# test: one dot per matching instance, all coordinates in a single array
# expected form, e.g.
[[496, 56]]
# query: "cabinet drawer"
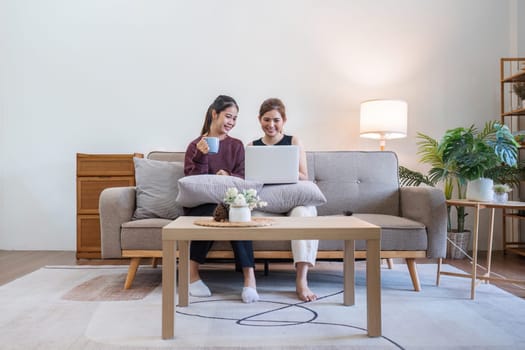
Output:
[[89, 189], [88, 233], [106, 164]]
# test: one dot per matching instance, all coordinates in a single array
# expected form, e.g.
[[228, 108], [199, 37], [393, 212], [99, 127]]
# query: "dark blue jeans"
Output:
[[242, 250]]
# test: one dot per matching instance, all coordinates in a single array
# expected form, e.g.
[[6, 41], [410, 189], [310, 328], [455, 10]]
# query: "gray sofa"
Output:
[[413, 219]]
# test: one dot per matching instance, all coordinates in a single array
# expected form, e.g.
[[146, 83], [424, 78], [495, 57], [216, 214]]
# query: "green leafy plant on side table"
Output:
[[519, 90], [501, 192], [462, 155]]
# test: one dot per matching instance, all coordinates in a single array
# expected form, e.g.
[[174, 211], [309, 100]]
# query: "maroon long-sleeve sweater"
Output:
[[229, 158]]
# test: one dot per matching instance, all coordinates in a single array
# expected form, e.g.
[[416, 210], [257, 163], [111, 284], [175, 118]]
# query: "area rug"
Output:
[[84, 307]]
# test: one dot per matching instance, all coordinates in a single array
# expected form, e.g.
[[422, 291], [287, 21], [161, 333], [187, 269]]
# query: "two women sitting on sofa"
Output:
[[220, 118]]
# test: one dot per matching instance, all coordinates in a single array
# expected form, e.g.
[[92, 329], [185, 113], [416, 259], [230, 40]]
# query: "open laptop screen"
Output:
[[272, 164]]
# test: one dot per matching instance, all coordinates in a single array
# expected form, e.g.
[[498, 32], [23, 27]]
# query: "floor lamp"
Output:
[[383, 120]]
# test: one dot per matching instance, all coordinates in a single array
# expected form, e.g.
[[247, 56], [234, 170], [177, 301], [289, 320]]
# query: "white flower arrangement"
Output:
[[501, 188], [244, 198]]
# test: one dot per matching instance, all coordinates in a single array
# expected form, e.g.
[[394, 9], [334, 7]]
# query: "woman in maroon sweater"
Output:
[[220, 119]]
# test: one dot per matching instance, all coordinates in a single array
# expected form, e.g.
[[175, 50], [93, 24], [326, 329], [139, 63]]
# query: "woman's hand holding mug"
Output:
[[208, 144], [202, 146]]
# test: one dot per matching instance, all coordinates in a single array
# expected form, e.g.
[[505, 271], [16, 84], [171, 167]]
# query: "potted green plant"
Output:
[[519, 90], [501, 192], [463, 155], [477, 155]]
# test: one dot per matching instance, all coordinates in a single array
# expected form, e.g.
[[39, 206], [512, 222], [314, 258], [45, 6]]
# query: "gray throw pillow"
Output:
[[195, 190], [283, 198], [156, 183]]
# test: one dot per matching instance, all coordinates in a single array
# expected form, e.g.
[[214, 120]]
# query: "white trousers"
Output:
[[304, 250]]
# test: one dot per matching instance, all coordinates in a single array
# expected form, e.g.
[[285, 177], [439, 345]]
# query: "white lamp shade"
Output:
[[383, 119]]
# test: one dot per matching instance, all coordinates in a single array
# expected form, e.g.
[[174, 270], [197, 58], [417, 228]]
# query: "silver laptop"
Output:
[[272, 164]]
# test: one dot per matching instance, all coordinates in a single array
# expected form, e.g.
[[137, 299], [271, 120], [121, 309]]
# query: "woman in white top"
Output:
[[272, 116]]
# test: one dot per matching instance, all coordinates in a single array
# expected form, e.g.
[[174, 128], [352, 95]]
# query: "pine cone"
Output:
[[221, 212]]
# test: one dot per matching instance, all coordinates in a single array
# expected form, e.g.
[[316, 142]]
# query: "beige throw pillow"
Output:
[[283, 198], [195, 190], [156, 189]]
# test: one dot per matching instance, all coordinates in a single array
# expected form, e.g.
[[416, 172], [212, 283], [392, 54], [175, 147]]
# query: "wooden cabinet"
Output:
[[95, 172], [512, 113]]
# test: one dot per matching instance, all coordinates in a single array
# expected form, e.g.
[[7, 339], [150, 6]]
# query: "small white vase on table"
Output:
[[240, 213], [501, 192], [242, 203]]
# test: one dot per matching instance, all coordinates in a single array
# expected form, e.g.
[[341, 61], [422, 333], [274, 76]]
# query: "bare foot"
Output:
[[304, 293], [301, 282]]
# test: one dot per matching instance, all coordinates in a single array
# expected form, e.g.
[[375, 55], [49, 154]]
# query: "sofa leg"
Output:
[[390, 263], [411, 264], [438, 272], [132, 271], [154, 262]]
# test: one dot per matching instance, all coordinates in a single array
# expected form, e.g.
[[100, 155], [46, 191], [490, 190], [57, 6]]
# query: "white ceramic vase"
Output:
[[501, 197], [480, 190], [240, 213]]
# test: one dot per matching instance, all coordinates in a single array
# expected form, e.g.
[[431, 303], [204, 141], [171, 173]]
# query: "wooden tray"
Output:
[[254, 223]]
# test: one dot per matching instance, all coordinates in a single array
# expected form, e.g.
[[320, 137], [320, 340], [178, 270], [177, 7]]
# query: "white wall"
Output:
[[110, 76], [521, 28]]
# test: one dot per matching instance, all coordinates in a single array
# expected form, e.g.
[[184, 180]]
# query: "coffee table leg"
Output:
[[373, 287], [184, 273], [349, 273], [168, 289]]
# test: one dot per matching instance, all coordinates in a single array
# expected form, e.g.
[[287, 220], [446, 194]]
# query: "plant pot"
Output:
[[240, 214], [457, 244], [501, 197], [480, 190]]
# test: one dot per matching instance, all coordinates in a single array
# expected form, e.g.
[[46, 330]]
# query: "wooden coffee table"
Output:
[[347, 228]]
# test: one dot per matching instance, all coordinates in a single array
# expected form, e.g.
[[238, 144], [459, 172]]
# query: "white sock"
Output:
[[249, 295], [199, 289]]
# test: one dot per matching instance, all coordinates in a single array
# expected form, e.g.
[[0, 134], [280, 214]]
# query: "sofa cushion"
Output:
[[142, 234], [362, 182], [195, 190], [283, 198], [397, 233], [157, 189]]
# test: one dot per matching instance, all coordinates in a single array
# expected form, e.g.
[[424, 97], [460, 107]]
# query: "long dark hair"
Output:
[[220, 104]]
